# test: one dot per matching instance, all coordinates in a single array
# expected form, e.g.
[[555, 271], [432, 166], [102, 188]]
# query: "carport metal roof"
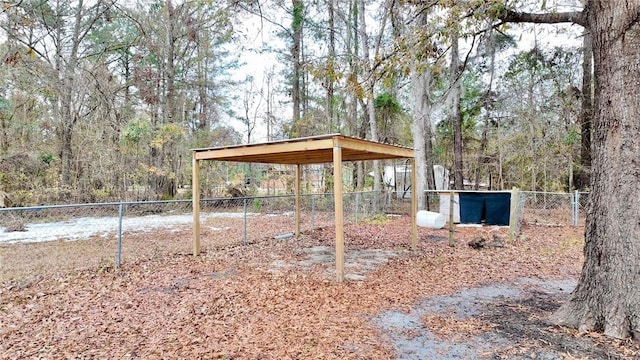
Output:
[[334, 148]]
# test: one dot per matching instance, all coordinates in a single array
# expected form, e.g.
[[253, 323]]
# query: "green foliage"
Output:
[[393, 124], [5, 105], [257, 205], [543, 100], [532, 63], [471, 102], [368, 181], [298, 15], [167, 134], [136, 132], [572, 137], [387, 104], [377, 219], [471, 105], [47, 157]]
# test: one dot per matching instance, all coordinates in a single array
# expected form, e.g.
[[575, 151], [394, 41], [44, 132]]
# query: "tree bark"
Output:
[[202, 84], [66, 153], [298, 8], [163, 183], [421, 77], [456, 114], [421, 129], [368, 88], [331, 68], [586, 111], [488, 101], [67, 81], [607, 297], [352, 46]]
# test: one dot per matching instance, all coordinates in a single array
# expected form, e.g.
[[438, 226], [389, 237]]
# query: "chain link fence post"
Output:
[[119, 250], [515, 218], [572, 202], [313, 211], [244, 207], [357, 207], [576, 208]]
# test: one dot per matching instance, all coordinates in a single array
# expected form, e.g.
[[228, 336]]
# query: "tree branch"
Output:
[[576, 17], [7, 5]]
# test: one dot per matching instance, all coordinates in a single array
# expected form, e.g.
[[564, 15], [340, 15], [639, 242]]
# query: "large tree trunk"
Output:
[[203, 108], [608, 294], [586, 111]]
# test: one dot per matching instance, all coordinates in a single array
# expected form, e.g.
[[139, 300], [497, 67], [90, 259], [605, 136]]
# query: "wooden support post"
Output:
[[513, 216], [297, 190], [195, 187], [337, 196], [451, 240], [414, 205]]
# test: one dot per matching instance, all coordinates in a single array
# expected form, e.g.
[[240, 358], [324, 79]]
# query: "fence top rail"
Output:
[[469, 191], [505, 191], [186, 201], [158, 202], [118, 203], [548, 192]]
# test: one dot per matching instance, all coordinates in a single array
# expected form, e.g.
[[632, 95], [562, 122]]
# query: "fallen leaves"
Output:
[[449, 327], [234, 303]]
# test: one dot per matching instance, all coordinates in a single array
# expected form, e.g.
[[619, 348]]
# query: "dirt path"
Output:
[[497, 321]]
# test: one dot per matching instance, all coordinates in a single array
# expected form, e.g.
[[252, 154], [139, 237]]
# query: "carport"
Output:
[[335, 148]]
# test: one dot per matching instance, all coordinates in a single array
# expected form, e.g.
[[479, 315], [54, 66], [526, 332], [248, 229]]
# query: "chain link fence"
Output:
[[41, 240], [539, 208], [534, 207], [554, 208]]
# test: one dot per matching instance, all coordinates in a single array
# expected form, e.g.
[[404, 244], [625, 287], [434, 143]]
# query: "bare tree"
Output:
[[251, 106], [421, 85], [297, 24], [56, 32], [331, 68], [455, 93]]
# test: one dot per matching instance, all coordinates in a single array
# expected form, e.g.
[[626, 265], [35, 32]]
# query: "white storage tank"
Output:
[[430, 219]]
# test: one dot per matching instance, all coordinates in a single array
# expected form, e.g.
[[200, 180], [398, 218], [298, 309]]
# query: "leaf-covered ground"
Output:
[[278, 299]]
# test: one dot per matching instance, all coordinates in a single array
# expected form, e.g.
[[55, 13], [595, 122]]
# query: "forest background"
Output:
[[102, 100]]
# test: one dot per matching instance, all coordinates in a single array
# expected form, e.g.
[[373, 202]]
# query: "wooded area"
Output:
[[101, 100]]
